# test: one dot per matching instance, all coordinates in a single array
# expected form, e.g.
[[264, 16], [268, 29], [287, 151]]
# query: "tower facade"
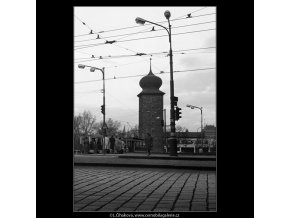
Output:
[[151, 110]]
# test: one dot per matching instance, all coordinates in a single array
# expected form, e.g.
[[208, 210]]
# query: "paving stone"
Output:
[[89, 208], [160, 209], [124, 180], [181, 209], [197, 205]]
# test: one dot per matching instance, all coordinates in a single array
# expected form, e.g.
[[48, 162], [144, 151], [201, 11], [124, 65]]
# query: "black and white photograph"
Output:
[[144, 125], [144, 111]]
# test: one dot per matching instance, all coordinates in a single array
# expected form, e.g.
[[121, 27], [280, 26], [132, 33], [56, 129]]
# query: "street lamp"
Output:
[[200, 108], [92, 69], [172, 139]]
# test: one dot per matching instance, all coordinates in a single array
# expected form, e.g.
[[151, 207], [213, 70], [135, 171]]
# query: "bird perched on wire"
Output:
[[140, 54], [188, 15], [93, 56], [98, 37], [153, 29], [91, 32], [110, 42]]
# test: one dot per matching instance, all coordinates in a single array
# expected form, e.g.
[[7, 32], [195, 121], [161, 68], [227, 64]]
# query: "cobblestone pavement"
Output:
[[99, 188]]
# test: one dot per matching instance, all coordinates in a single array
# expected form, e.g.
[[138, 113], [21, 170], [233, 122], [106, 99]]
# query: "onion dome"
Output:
[[150, 83]]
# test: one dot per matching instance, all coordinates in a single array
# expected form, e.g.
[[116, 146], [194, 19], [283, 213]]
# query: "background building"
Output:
[[210, 132]]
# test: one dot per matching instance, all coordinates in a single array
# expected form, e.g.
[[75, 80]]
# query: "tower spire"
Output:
[[150, 64]]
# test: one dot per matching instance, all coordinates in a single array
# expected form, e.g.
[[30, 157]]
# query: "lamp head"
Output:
[[139, 20], [167, 14], [188, 105], [92, 69], [81, 66]]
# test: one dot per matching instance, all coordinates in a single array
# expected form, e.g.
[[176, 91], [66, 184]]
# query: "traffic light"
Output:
[[175, 100], [162, 122], [177, 113], [103, 109]]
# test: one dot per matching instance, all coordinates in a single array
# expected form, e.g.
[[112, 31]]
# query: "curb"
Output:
[[148, 166], [170, 158]]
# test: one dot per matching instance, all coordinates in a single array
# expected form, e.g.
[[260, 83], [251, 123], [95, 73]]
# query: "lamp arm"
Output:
[[93, 67], [159, 25]]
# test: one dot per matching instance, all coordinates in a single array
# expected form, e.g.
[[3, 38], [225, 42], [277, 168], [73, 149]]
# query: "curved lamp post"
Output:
[[172, 139], [200, 108], [92, 69]]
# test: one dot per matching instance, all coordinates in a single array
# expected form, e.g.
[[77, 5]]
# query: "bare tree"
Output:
[[76, 131], [113, 127], [134, 131], [180, 130], [87, 122]]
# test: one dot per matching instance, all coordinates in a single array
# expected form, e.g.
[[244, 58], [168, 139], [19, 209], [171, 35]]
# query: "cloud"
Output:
[[210, 41], [191, 82]]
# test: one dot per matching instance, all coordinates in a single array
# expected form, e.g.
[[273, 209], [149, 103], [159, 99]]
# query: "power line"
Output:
[[191, 12], [129, 34], [143, 54], [93, 45], [181, 53], [178, 71], [136, 26], [136, 53], [134, 62], [91, 31]]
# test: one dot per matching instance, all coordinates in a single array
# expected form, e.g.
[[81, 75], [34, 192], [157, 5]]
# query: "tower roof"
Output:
[[150, 83]]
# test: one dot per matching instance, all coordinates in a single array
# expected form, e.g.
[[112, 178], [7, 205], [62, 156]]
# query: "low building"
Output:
[[209, 132]]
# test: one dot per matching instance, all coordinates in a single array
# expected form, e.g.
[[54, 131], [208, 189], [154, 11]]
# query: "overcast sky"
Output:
[[192, 87]]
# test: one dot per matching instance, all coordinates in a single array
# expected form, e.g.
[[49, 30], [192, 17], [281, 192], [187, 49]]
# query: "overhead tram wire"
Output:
[[125, 40], [135, 62], [86, 25], [118, 39], [138, 26], [131, 49], [177, 71], [148, 54], [137, 32], [135, 52], [130, 34], [116, 66], [93, 45], [191, 12]]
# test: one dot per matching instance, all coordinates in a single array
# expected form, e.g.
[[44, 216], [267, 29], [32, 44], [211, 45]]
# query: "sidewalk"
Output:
[[197, 162]]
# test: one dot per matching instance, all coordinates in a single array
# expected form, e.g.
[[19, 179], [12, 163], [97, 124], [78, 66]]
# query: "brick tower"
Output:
[[151, 110]]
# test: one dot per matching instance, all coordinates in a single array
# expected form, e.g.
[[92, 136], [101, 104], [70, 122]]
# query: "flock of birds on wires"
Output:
[[98, 39]]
